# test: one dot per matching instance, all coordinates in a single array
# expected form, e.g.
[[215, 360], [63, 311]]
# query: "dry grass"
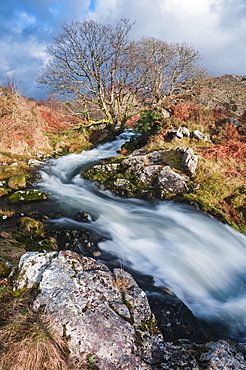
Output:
[[34, 344], [28, 339], [21, 125]]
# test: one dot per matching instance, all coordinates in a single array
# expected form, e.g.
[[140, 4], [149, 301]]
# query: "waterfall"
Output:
[[200, 259]]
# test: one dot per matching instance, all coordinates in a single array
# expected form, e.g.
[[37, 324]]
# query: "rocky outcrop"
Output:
[[100, 312], [144, 174], [106, 315]]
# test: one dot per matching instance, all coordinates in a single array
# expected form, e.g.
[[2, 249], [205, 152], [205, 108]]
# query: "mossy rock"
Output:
[[29, 226], [18, 182], [27, 196], [3, 191]]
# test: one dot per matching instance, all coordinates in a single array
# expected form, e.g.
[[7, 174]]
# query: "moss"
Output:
[[149, 325], [5, 269], [29, 226], [27, 196], [19, 292]]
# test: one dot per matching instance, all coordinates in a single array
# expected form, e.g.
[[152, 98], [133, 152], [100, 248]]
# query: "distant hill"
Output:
[[225, 94]]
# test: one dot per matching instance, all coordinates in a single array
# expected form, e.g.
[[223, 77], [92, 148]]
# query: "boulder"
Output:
[[199, 135], [106, 316], [101, 313], [189, 161], [171, 181]]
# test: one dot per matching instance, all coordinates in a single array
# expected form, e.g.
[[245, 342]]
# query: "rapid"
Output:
[[198, 258]]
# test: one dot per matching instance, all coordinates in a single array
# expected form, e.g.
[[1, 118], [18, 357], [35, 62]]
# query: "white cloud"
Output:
[[216, 28]]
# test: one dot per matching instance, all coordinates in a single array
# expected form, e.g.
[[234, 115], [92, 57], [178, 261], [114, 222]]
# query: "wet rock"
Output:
[[221, 355], [29, 226], [171, 181], [189, 161], [17, 182], [27, 196]]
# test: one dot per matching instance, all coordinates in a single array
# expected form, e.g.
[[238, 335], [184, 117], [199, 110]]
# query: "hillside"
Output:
[[30, 130]]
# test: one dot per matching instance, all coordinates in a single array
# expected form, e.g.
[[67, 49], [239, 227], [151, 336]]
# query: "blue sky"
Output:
[[217, 28]]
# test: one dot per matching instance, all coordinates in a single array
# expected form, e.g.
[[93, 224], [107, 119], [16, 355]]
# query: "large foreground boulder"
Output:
[[106, 315]]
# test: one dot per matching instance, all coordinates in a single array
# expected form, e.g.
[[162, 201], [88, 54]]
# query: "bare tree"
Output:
[[108, 75], [95, 63], [166, 65]]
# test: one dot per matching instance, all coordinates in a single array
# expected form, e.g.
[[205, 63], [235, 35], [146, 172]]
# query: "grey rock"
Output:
[[154, 157], [102, 313], [199, 135], [171, 181], [222, 355], [149, 173], [107, 315], [189, 160], [185, 131]]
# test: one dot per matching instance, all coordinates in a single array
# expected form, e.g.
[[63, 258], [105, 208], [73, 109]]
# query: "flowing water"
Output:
[[201, 260]]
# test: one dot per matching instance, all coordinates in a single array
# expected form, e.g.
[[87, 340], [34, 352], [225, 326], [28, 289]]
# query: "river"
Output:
[[200, 259]]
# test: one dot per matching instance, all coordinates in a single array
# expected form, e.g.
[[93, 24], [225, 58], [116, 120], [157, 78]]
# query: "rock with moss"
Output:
[[17, 182], [27, 196], [100, 312], [29, 226], [142, 174], [106, 316]]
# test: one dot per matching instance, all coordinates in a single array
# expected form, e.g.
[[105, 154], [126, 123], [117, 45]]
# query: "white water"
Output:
[[201, 260]]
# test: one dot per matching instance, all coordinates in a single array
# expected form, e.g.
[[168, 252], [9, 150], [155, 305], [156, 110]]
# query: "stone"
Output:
[[189, 161], [154, 157], [165, 113], [35, 163], [199, 135], [122, 183], [106, 315], [222, 355], [29, 226], [171, 181], [149, 173], [101, 313], [27, 196]]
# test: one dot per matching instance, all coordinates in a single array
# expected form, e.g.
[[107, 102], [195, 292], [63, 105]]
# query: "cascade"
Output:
[[200, 259]]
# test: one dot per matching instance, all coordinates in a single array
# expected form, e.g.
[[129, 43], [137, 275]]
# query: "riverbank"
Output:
[[217, 186]]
